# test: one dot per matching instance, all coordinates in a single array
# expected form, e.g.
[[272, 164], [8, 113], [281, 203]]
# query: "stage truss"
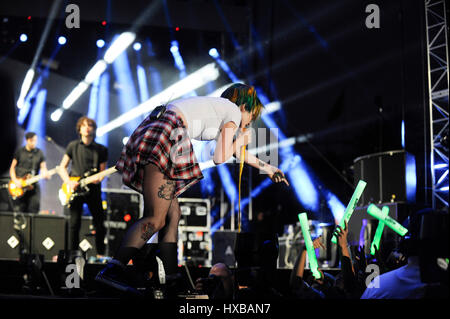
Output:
[[438, 89]]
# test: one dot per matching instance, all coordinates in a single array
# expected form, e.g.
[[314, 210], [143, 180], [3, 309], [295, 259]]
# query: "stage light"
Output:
[[127, 218], [103, 23], [75, 94], [125, 140], [214, 53], [25, 86], [62, 40], [142, 83], [411, 177], [29, 18], [100, 43], [177, 29], [23, 37], [174, 47], [102, 116], [438, 166], [137, 46], [95, 71], [56, 115], [193, 81], [119, 45]]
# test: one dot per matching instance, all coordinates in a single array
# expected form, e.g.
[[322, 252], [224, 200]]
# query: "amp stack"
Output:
[[194, 237]]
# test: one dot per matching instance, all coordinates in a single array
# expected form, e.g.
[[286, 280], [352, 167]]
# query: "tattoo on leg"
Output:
[[167, 190], [147, 231]]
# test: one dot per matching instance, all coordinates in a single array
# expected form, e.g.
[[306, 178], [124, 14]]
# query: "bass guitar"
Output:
[[66, 194]]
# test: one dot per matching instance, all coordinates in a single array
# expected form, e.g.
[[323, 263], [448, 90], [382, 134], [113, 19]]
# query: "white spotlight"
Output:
[[23, 37], [118, 46], [56, 115], [100, 43], [62, 40], [137, 46], [25, 86], [214, 53]]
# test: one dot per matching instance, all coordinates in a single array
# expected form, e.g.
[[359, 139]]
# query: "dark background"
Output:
[[347, 86]]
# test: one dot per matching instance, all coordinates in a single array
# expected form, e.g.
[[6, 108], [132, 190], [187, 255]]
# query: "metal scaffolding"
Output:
[[438, 89]]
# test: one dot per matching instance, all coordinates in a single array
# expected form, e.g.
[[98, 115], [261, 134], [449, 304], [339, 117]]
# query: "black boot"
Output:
[[114, 276], [168, 254]]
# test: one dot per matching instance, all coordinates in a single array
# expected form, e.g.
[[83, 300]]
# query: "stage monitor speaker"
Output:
[[48, 236], [223, 247], [15, 234], [87, 237], [385, 177]]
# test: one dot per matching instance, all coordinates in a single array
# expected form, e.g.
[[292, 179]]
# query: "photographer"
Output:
[[219, 284]]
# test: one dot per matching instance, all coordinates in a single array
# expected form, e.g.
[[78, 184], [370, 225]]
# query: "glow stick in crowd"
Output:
[[374, 211], [351, 206], [379, 232], [309, 245]]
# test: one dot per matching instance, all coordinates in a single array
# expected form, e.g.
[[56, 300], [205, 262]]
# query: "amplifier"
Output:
[[48, 233], [123, 209], [15, 233], [195, 212], [194, 246]]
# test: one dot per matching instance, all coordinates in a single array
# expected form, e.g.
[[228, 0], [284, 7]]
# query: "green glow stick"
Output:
[[379, 232], [309, 245], [351, 206], [390, 222]]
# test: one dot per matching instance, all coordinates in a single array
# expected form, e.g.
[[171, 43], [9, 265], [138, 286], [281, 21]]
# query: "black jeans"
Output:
[[29, 202], [93, 200]]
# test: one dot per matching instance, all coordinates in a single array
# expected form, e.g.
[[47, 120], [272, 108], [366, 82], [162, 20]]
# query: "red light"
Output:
[[103, 23], [177, 29], [127, 218], [29, 18]]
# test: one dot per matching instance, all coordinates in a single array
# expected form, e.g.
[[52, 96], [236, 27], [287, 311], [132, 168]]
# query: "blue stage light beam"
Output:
[[23, 112], [142, 83], [224, 66], [127, 91], [37, 117], [103, 106], [93, 99]]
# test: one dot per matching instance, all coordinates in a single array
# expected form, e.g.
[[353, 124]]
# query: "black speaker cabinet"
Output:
[[223, 247], [385, 176], [48, 235], [15, 234], [87, 237]]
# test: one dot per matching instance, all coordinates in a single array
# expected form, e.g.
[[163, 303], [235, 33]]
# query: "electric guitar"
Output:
[[26, 183], [67, 195]]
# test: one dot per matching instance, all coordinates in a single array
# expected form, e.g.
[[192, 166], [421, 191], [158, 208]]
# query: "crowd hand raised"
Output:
[[341, 234], [317, 243]]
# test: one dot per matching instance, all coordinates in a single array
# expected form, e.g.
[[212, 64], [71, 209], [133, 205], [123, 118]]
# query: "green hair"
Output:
[[239, 94]]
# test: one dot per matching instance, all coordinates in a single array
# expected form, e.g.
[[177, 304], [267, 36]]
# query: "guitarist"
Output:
[[88, 158], [28, 161]]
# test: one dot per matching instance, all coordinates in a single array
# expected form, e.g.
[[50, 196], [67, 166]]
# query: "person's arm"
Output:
[[225, 146], [341, 234], [43, 170], [12, 172], [64, 174], [100, 178], [273, 172]]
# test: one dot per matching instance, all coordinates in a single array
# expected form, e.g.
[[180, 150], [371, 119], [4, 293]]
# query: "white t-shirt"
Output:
[[206, 115]]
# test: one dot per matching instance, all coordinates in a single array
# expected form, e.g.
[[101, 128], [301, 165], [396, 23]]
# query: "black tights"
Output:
[[161, 214]]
